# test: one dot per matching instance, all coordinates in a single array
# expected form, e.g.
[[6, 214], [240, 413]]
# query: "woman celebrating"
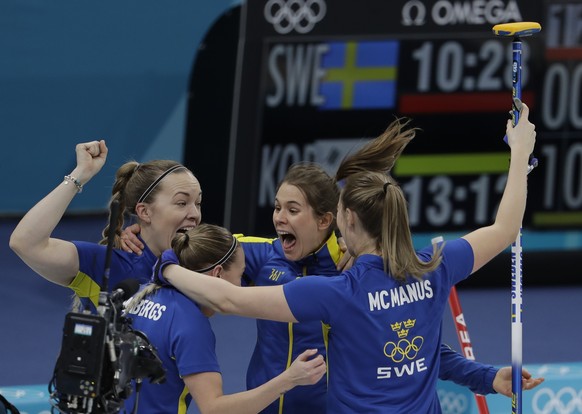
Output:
[[304, 219], [385, 312], [165, 197], [180, 330]]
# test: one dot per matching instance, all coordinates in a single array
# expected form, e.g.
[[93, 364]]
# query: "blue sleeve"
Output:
[[465, 372], [314, 298], [123, 265], [457, 259], [91, 259]]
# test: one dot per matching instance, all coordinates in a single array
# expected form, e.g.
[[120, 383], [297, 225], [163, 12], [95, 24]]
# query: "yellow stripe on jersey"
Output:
[[85, 287], [334, 249], [253, 239], [182, 409], [289, 361], [326, 328]]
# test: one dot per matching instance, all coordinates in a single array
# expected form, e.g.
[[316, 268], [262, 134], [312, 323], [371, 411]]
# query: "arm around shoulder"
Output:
[[262, 302]]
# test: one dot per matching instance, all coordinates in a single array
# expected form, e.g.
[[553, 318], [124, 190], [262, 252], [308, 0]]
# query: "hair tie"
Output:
[[386, 184]]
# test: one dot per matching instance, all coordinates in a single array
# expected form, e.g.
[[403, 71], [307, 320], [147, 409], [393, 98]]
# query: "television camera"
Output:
[[102, 356]]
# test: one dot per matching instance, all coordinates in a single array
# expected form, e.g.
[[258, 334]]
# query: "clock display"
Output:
[[313, 95]]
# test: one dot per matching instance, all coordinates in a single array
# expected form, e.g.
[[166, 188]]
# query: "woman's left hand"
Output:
[[129, 240], [306, 371]]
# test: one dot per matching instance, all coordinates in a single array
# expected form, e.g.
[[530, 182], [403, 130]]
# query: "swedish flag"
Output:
[[360, 75]]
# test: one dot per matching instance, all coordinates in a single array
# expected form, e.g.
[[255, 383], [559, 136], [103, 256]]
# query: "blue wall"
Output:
[[77, 70]]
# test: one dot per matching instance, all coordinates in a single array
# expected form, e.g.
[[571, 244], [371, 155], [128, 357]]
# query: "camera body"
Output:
[[80, 365], [100, 357]]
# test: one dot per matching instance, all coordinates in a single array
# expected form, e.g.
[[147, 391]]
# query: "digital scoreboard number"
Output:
[[320, 77]]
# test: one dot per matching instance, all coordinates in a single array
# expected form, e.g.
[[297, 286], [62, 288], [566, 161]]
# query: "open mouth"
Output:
[[288, 240], [184, 229]]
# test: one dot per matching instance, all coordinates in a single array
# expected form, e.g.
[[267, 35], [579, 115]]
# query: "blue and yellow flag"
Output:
[[360, 75]]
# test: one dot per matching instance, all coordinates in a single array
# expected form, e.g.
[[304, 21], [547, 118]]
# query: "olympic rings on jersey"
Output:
[[452, 402], [404, 349], [298, 15], [566, 401]]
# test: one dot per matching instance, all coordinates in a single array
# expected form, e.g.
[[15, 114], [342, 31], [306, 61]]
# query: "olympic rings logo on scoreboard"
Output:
[[298, 15], [566, 401], [453, 403]]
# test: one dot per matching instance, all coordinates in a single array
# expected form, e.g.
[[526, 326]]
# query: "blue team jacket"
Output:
[[278, 343]]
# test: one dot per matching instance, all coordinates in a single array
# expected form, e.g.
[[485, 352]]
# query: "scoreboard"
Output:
[[317, 78]]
